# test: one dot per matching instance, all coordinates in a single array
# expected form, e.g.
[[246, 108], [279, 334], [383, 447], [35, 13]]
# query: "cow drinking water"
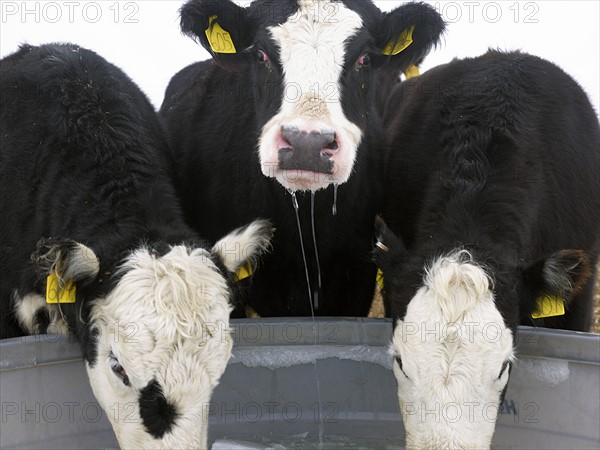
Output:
[[93, 242], [493, 189]]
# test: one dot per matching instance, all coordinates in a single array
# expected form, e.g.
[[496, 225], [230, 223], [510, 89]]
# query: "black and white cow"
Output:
[[286, 108], [86, 199], [495, 192]]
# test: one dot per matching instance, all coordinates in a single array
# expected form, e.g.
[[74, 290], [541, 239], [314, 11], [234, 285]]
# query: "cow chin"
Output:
[[302, 180]]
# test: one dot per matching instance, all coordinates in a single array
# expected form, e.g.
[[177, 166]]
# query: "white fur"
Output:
[[83, 263], [243, 244], [80, 263], [452, 343], [312, 53], [27, 307], [166, 320]]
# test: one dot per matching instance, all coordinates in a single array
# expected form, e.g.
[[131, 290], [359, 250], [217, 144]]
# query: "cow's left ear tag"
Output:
[[218, 39], [57, 294], [395, 46], [244, 272], [549, 306]]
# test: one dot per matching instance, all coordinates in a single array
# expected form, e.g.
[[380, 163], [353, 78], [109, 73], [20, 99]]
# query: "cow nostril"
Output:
[[329, 149], [285, 143]]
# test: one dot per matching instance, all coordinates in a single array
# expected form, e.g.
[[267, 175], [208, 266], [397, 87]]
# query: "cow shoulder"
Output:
[[189, 82]]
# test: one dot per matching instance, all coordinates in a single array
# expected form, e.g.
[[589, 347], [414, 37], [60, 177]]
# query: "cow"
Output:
[[283, 123], [94, 243], [492, 211]]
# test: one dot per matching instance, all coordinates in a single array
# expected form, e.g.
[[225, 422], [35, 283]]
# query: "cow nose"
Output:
[[310, 142], [307, 150]]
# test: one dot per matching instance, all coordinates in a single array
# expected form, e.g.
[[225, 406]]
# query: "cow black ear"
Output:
[[406, 35], [389, 249], [71, 261], [560, 277], [223, 28]]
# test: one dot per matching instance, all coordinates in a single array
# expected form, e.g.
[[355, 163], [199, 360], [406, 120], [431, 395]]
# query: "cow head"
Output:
[[312, 65], [159, 340], [453, 340]]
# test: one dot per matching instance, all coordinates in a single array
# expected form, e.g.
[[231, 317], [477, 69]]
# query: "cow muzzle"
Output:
[[310, 151]]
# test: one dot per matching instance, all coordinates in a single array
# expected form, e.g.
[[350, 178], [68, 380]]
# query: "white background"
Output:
[[143, 38]]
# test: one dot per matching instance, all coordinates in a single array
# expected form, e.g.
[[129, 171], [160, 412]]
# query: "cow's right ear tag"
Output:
[[218, 39], [55, 293], [411, 72], [379, 278], [548, 306]]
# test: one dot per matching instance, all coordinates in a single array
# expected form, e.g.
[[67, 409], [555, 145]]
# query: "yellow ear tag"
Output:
[[411, 72], [218, 39], [379, 278], [548, 306], [404, 40], [56, 294], [244, 272]]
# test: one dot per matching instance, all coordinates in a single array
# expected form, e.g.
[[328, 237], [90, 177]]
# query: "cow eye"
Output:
[[364, 60], [262, 56], [118, 370]]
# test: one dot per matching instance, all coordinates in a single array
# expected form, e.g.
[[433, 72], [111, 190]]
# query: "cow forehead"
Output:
[[449, 353], [311, 41], [452, 323], [170, 295], [163, 308], [319, 22]]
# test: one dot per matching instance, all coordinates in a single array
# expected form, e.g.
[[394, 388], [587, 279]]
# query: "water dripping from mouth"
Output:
[[334, 207], [314, 236], [316, 306], [312, 309], [296, 209]]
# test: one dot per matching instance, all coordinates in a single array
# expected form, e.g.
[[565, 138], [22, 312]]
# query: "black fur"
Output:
[[215, 110], [83, 159], [499, 155], [42, 319], [90, 351], [157, 413]]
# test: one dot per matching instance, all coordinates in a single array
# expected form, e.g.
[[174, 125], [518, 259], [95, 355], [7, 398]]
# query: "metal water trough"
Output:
[[292, 383]]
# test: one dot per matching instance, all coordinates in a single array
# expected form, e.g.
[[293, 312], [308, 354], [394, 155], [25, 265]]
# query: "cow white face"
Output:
[[158, 340], [310, 143], [162, 343], [453, 354], [311, 67]]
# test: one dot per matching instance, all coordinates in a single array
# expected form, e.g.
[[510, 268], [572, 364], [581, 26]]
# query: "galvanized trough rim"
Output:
[[31, 351]]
